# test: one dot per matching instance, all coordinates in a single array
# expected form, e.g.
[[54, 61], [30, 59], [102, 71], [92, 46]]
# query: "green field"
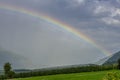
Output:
[[76, 76]]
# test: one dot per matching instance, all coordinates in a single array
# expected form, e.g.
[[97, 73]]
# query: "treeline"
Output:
[[45, 72]]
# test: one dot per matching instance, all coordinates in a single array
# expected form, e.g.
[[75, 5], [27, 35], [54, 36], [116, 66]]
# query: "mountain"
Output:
[[102, 61], [15, 60], [112, 59]]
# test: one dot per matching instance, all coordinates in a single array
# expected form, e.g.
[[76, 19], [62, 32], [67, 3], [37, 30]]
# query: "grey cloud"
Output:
[[28, 35]]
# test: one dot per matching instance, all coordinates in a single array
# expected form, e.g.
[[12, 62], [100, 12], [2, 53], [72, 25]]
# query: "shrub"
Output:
[[112, 76]]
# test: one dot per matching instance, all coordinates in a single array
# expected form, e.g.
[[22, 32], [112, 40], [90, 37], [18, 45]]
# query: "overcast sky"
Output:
[[46, 45]]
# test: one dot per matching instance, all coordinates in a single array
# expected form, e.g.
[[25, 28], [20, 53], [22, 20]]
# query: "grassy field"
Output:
[[76, 76]]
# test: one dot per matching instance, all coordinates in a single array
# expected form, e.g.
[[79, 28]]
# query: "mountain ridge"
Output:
[[112, 59]]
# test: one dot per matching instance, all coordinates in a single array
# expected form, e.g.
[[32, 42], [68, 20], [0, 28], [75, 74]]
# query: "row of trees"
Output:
[[59, 71], [64, 71], [9, 73]]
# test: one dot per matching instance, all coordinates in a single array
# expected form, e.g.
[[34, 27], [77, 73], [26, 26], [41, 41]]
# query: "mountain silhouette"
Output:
[[112, 59]]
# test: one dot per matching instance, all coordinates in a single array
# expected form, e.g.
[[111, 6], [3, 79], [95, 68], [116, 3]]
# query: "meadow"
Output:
[[76, 76]]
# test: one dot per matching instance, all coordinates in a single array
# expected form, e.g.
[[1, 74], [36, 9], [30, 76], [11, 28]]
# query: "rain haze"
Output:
[[43, 43]]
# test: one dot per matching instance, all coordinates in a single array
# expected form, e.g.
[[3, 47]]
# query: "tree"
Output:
[[8, 70], [118, 63], [11, 74]]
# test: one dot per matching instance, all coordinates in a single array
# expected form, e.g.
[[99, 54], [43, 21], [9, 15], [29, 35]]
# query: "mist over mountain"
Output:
[[15, 60], [112, 59]]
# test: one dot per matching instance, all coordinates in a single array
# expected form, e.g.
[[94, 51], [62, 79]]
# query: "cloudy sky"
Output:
[[45, 44]]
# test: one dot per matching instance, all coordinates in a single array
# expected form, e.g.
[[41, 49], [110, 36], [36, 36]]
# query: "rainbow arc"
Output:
[[56, 22]]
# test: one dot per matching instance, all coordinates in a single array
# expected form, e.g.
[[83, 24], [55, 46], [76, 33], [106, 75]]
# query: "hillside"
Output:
[[113, 59], [110, 59]]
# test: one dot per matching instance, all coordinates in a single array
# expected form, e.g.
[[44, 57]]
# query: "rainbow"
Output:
[[54, 21]]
